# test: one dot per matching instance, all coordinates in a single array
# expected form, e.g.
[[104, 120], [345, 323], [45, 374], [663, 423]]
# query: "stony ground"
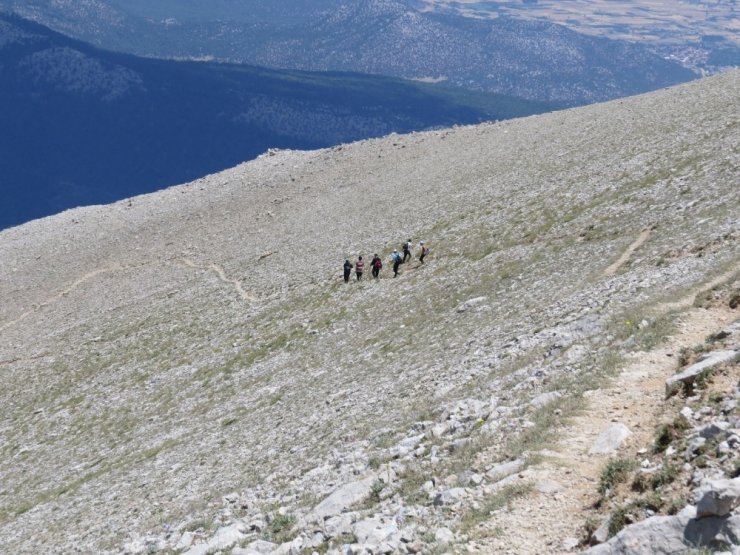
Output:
[[187, 371], [566, 500]]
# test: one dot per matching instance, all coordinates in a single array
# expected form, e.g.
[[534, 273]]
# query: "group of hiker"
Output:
[[376, 264]]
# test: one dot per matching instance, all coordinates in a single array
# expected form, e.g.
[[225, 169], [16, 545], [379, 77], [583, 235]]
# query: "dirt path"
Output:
[[567, 479], [221, 273], [611, 270], [218, 270], [63, 293]]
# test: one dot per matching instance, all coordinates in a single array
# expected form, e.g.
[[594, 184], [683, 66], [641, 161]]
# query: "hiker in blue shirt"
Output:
[[396, 257]]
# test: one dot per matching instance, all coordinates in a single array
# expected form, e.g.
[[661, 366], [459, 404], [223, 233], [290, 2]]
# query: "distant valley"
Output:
[[86, 126], [700, 34], [537, 60]]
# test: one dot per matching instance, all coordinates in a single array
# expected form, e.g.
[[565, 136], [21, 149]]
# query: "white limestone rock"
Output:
[[225, 537], [342, 498], [505, 469], [668, 535], [718, 497], [545, 398], [444, 536], [374, 531], [689, 374], [449, 497], [610, 440], [262, 547]]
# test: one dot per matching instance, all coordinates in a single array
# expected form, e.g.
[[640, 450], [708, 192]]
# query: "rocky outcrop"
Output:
[[342, 499], [667, 535], [690, 374], [707, 428], [718, 497], [610, 440]]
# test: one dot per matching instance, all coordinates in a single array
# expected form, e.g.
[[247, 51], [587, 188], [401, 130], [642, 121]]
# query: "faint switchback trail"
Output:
[[221, 273], [66, 291], [611, 270]]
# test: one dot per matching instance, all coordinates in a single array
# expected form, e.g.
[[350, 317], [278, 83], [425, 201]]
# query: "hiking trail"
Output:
[[622, 260], [221, 274], [66, 291], [566, 481]]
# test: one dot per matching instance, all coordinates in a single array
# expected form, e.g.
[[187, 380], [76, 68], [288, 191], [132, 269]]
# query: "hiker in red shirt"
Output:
[[376, 265], [359, 268], [424, 251]]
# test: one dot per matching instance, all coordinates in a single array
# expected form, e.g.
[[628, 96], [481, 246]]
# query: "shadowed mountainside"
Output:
[[190, 359], [85, 126]]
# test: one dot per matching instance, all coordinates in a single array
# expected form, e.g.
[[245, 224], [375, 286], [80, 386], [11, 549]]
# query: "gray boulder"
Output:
[[449, 496], [505, 469], [718, 497], [710, 431], [289, 548], [689, 374], [548, 487], [225, 537], [374, 531], [260, 547], [407, 445], [466, 410], [610, 440], [545, 398], [669, 535], [658, 535], [338, 525], [444, 536], [717, 533], [601, 534], [342, 498]]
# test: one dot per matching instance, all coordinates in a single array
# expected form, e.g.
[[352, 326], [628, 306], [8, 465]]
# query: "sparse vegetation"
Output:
[[411, 486], [615, 472], [279, 527], [668, 433], [646, 482], [642, 331]]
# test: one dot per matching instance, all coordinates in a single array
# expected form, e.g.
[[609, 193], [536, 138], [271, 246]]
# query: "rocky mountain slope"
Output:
[[536, 60], [86, 126], [186, 371]]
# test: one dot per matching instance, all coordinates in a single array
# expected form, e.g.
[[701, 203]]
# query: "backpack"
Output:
[[426, 250], [396, 257], [378, 264]]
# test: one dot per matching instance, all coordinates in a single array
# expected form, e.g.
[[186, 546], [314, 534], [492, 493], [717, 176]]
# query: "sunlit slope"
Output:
[[161, 352]]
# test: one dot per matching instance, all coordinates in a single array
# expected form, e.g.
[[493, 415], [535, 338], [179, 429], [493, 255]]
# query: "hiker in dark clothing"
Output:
[[376, 265], [359, 268], [424, 251], [347, 270], [407, 250], [396, 257]]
